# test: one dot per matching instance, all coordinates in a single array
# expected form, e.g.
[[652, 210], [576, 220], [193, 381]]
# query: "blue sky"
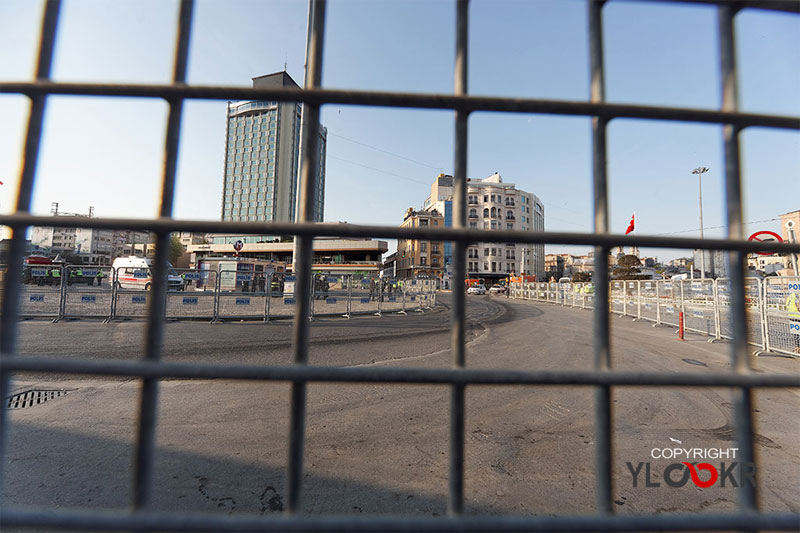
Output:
[[107, 152]]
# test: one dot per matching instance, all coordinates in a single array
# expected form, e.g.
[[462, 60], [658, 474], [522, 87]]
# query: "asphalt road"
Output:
[[221, 445]]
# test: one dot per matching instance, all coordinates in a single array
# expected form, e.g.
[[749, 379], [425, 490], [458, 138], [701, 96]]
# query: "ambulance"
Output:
[[136, 273]]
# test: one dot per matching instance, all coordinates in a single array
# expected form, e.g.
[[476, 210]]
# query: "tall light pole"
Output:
[[700, 171]]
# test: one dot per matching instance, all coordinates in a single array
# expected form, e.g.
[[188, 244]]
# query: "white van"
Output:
[[135, 273]]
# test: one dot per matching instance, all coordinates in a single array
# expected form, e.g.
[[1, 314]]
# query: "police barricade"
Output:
[[282, 296], [240, 295], [41, 293], [754, 309], [330, 294], [632, 299], [426, 293], [578, 295], [566, 294], [515, 290], [528, 290], [542, 291], [698, 309], [392, 300], [669, 302], [616, 296], [88, 292], [552, 293], [131, 292], [195, 297], [782, 312], [648, 300], [588, 296], [365, 294]]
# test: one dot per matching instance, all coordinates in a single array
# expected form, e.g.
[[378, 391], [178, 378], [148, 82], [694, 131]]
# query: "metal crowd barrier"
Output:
[[74, 292], [602, 379], [705, 304]]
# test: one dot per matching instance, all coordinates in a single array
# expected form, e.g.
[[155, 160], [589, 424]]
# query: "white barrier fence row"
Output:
[[773, 319], [58, 292]]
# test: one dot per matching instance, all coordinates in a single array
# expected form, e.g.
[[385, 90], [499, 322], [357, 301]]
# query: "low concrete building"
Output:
[[344, 256]]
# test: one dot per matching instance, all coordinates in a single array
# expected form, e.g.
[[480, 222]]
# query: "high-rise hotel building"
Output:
[[262, 158]]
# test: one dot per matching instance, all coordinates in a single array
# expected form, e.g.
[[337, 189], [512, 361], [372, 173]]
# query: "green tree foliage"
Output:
[[628, 268], [176, 249], [581, 277]]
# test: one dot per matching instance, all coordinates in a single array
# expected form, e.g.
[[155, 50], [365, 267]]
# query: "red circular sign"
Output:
[[765, 236]]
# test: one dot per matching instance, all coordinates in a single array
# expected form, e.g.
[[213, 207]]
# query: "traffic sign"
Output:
[[765, 236], [238, 245]]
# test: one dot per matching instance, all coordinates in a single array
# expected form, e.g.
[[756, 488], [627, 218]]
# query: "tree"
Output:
[[581, 277], [176, 249], [628, 268]]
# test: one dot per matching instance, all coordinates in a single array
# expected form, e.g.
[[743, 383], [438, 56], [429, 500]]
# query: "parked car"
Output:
[[135, 273], [498, 289], [476, 289]]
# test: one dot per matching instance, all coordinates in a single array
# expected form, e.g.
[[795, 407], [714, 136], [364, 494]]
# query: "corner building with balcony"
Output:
[[496, 206], [493, 205], [262, 151], [420, 258]]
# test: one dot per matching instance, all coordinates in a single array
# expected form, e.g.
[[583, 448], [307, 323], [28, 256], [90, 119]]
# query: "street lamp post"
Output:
[[700, 171]]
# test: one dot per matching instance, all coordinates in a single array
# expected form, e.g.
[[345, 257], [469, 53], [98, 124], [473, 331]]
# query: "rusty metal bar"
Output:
[[404, 100], [455, 504], [86, 521], [444, 376], [741, 361], [13, 276], [307, 190], [602, 337], [394, 232]]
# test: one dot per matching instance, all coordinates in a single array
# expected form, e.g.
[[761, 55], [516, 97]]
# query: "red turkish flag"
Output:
[[631, 225]]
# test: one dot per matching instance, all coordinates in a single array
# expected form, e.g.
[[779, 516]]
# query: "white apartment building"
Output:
[[495, 205], [54, 240], [94, 246]]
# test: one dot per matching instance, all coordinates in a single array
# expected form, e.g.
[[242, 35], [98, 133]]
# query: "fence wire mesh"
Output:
[[19, 300]]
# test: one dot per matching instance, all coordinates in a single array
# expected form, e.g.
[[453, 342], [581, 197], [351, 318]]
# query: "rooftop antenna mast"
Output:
[[54, 208], [91, 211]]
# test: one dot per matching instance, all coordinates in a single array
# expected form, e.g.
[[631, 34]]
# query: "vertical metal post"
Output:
[[602, 338], [62, 295], [740, 358], [349, 295], [762, 311], [217, 293], [309, 135], [13, 276], [113, 297], [267, 296], [148, 403], [715, 302], [455, 503], [624, 298], [638, 300], [658, 303]]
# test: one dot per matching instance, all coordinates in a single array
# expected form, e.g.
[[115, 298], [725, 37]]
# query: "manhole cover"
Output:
[[694, 362], [33, 397]]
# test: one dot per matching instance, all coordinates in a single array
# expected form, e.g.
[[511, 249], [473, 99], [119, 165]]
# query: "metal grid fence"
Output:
[[603, 379]]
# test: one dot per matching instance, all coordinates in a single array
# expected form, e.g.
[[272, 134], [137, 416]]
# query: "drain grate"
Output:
[[33, 397]]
